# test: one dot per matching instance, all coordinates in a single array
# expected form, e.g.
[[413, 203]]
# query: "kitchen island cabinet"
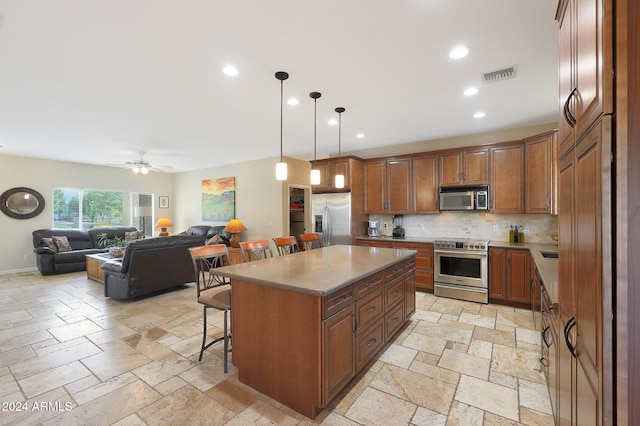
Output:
[[305, 324]]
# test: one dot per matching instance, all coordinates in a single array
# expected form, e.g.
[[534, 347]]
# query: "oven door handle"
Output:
[[466, 254]]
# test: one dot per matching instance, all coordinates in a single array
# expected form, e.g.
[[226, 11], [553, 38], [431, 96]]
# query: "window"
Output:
[[86, 208]]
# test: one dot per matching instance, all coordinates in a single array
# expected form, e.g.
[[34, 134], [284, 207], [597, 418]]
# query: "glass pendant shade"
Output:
[[281, 171], [339, 181], [315, 177]]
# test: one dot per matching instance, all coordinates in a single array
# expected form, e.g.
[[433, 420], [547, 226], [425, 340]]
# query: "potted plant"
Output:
[[115, 245]]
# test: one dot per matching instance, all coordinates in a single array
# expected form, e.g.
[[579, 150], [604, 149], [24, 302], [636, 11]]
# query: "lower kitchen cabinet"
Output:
[[509, 276]]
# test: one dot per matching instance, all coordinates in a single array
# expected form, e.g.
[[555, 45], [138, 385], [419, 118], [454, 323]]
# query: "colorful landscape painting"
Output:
[[219, 199]]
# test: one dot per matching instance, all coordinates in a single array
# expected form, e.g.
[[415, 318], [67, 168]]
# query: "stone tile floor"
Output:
[[68, 355]]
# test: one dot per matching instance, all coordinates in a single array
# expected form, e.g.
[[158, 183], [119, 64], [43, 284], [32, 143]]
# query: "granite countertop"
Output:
[[391, 239], [317, 272]]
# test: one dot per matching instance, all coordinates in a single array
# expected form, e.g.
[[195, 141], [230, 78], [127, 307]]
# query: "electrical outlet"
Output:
[[421, 226], [496, 228], [526, 229], [26, 257]]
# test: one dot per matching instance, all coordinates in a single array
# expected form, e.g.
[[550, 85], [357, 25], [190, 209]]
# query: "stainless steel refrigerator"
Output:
[[332, 217]]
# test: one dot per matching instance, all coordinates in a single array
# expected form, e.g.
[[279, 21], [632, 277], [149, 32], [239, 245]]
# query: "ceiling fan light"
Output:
[[135, 170], [144, 170], [315, 177]]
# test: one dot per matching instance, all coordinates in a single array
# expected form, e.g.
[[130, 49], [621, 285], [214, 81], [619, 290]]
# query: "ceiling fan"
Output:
[[143, 167]]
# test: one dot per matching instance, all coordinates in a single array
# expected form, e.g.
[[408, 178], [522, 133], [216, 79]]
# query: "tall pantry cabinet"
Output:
[[584, 369]]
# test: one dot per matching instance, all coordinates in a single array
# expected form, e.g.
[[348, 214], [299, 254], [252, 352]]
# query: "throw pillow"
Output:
[[130, 236], [49, 242], [216, 239], [140, 235], [62, 243]]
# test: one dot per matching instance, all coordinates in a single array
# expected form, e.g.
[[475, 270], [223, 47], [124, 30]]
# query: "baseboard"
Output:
[[18, 271]]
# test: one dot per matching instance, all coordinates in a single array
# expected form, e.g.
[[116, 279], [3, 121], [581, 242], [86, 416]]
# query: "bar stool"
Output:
[[214, 291], [310, 241], [286, 245], [255, 250]]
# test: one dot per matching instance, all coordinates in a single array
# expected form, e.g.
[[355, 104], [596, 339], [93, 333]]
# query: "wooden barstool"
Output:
[[286, 245], [255, 250], [310, 241], [214, 291]]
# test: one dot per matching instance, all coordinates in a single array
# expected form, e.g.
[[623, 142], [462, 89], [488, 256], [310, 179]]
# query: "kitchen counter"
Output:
[[547, 267], [317, 272], [304, 325]]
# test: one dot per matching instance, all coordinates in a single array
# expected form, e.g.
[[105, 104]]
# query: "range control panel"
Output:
[[466, 245]]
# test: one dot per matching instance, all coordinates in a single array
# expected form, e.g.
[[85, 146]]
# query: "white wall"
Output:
[[16, 248], [261, 200]]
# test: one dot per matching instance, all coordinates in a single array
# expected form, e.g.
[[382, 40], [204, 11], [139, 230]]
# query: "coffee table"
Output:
[[94, 263]]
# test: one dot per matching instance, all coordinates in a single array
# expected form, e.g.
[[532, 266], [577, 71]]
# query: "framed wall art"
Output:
[[163, 202], [219, 199]]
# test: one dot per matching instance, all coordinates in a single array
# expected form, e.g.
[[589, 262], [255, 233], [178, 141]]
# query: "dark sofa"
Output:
[[150, 265], [207, 232], [82, 241]]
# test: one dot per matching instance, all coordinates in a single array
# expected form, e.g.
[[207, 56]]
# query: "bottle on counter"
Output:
[[521, 235], [516, 236], [511, 234]]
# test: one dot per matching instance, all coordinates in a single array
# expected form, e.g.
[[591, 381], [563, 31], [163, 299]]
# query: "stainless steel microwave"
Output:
[[453, 198]]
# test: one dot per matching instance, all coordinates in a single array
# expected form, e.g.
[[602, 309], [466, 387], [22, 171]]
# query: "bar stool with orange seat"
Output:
[[214, 291], [255, 250], [286, 245], [310, 241]]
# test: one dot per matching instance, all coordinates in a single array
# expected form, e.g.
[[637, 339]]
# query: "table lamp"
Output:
[[163, 223], [235, 227]]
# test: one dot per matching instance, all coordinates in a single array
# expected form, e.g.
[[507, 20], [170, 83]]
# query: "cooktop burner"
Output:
[[461, 244]]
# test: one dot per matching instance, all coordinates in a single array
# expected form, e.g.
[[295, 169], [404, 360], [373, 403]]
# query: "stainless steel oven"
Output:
[[461, 269]]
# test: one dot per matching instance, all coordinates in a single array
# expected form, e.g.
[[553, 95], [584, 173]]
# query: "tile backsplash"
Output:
[[495, 227]]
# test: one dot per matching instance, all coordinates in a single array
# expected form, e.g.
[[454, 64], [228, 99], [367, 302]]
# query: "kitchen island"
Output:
[[305, 324]]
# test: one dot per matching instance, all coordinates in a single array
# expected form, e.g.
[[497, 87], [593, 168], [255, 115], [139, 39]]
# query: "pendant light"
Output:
[[339, 178], [281, 167], [315, 173]]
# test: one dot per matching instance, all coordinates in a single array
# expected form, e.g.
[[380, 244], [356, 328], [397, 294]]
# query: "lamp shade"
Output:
[[315, 177], [234, 226], [142, 211], [163, 222]]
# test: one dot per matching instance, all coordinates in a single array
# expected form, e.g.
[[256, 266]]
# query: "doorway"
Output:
[[299, 209]]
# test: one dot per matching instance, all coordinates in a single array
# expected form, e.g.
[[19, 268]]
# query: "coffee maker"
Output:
[[398, 230], [374, 228]]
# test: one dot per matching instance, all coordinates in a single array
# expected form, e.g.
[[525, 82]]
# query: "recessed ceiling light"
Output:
[[230, 70], [479, 114], [360, 135], [459, 52], [293, 101], [470, 91], [332, 122]]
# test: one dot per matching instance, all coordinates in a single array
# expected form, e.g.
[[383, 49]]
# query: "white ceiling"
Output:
[[97, 81]]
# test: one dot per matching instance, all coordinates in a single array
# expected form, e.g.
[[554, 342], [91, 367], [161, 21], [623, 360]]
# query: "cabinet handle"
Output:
[[355, 323], [544, 362], [567, 329], [339, 300], [395, 320], [395, 292], [371, 343], [548, 203], [566, 110], [531, 285], [544, 336], [371, 309]]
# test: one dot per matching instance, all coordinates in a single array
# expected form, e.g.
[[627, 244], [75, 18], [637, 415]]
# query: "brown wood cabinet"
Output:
[[464, 167], [388, 185], [329, 168], [425, 184], [585, 330], [509, 276], [539, 176], [507, 179]]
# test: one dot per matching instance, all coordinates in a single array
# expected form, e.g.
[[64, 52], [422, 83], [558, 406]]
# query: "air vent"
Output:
[[499, 75]]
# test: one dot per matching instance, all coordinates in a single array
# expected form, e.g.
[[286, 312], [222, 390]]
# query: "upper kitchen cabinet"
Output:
[[507, 178], [425, 184], [585, 68], [387, 185], [540, 171], [329, 168], [464, 167]]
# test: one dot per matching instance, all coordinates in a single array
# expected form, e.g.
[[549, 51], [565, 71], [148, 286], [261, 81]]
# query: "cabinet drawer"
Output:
[[394, 292], [368, 344], [425, 260], [369, 284], [338, 300], [369, 309], [393, 320], [394, 271]]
